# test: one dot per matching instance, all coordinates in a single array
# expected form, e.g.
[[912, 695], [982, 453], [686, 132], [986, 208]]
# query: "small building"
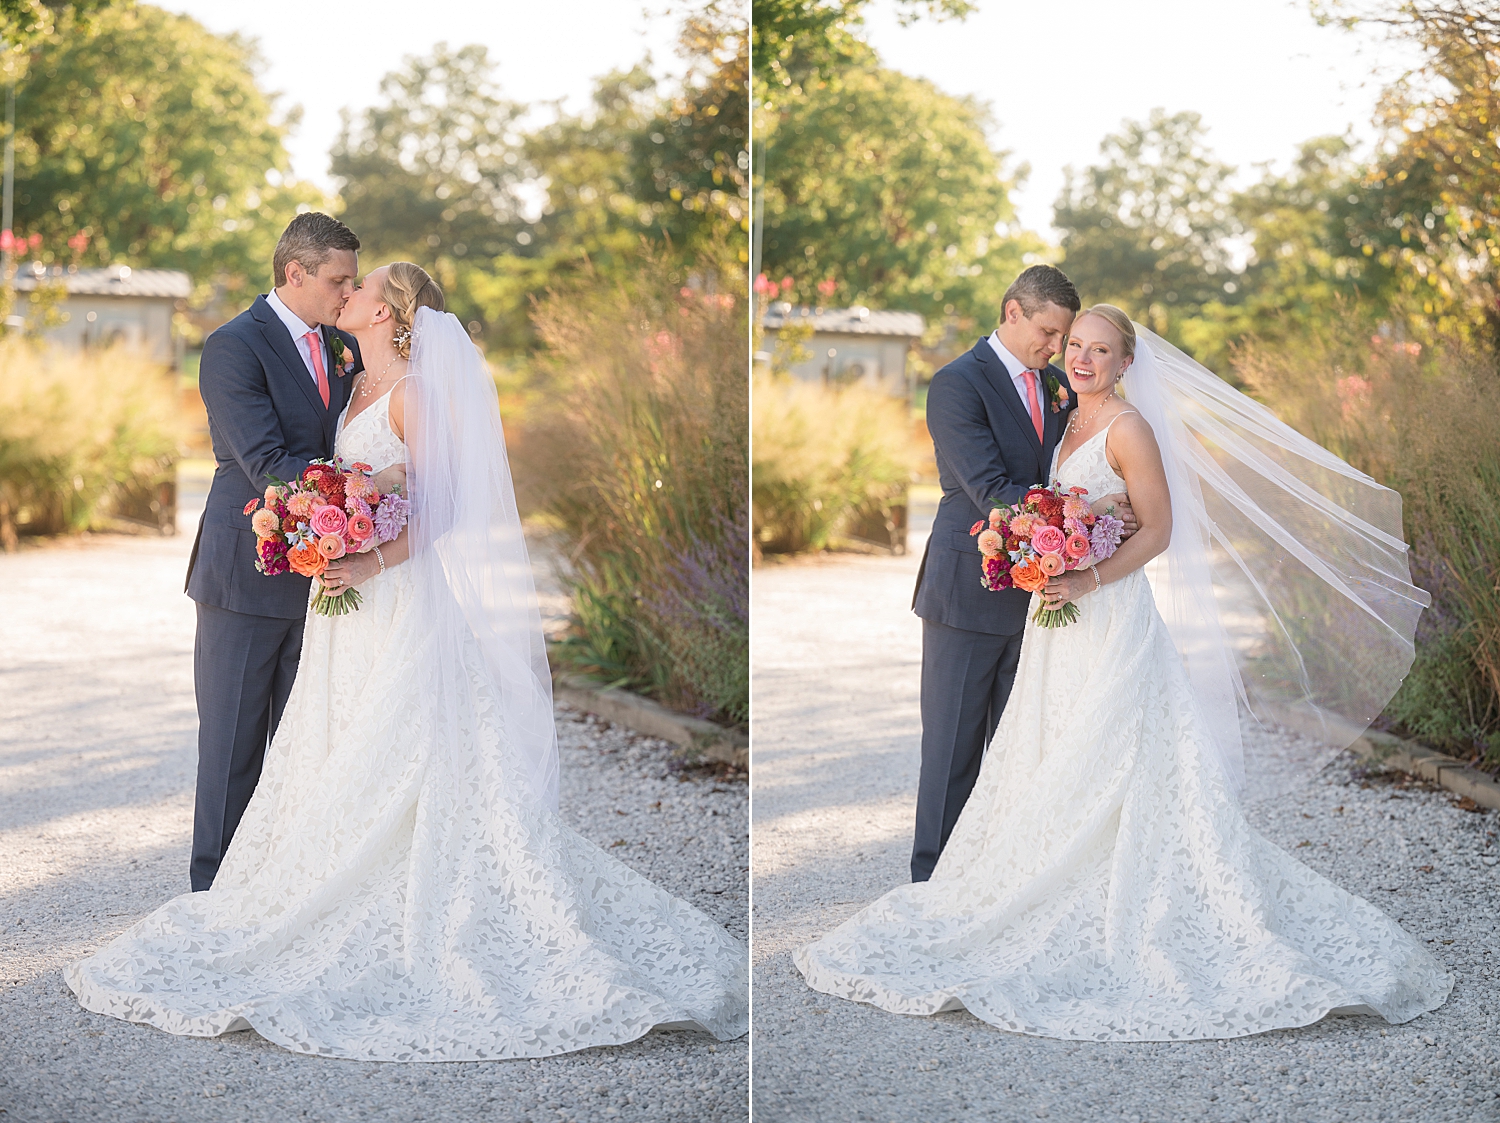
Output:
[[850, 345], [113, 305]]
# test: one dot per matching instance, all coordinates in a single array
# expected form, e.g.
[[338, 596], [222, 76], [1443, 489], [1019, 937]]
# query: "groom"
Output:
[[995, 420], [274, 393]]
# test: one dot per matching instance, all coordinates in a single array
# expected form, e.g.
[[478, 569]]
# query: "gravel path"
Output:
[[836, 655], [97, 757]]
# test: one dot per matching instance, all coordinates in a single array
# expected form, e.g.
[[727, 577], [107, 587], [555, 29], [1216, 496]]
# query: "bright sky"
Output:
[[326, 55], [1060, 76]]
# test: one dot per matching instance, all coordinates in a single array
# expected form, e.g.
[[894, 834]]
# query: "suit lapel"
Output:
[[281, 342], [995, 370]]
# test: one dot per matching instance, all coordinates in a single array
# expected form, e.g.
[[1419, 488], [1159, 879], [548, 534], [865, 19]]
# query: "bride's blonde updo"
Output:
[[407, 287], [1118, 320]]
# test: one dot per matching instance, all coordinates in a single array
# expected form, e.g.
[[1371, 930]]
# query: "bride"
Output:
[[401, 887], [1102, 882]]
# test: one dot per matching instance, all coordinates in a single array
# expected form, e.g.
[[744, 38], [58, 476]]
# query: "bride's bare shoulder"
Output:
[[1131, 440]]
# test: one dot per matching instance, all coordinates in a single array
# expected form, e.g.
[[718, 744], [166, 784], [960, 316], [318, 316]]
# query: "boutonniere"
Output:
[[1058, 393], [341, 357]]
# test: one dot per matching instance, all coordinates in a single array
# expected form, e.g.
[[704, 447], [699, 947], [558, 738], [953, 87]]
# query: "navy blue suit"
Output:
[[266, 419], [987, 449]]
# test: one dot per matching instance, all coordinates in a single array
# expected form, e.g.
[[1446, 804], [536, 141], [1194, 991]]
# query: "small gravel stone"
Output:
[[836, 668], [97, 756]]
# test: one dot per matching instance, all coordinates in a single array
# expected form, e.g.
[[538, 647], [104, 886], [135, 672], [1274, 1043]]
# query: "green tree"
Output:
[[434, 170], [795, 42], [141, 138], [1148, 227], [1434, 189], [883, 190]]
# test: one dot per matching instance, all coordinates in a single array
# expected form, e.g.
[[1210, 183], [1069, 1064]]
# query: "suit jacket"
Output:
[[266, 418], [987, 448]]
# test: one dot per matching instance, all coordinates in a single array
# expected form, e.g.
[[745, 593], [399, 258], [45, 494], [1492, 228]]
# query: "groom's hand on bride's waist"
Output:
[[1118, 505]]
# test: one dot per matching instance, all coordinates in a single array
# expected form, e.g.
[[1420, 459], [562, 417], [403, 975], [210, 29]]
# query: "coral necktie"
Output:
[[315, 345], [1031, 400]]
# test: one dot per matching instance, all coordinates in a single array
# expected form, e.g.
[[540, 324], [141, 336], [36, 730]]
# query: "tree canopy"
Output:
[[142, 138], [883, 190]]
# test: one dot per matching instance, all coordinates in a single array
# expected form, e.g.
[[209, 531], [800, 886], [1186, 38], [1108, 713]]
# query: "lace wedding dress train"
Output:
[[1102, 884], [373, 906]]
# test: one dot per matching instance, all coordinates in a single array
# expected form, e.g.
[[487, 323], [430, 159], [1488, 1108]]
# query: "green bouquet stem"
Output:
[[1045, 617], [341, 605]]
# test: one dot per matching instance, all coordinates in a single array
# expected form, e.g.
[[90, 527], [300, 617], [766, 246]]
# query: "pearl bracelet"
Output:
[[1098, 584], [381, 559]]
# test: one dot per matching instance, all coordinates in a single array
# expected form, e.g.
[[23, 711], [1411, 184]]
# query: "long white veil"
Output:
[[1287, 587], [469, 557]]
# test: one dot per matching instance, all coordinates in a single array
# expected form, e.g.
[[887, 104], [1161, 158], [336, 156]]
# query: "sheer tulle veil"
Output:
[[1286, 588], [468, 554]]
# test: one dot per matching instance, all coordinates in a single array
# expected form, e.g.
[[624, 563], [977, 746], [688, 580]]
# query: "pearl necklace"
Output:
[[1078, 429], [365, 389]]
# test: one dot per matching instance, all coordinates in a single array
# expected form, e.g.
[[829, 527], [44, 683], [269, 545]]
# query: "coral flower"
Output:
[[250, 506], [990, 543], [306, 560], [328, 520], [1052, 564], [331, 546], [361, 529], [1075, 508], [273, 493], [1048, 539], [1076, 546], [264, 522], [997, 520], [301, 505], [1028, 575], [977, 527]]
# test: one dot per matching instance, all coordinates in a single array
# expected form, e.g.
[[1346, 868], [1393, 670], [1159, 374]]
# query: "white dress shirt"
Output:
[[298, 331], [1017, 371]]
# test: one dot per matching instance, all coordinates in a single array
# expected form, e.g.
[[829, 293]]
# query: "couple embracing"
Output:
[[379, 870], [1082, 868]]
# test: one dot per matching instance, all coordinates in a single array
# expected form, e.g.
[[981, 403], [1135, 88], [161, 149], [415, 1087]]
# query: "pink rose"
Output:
[[990, 543], [331, 546], [328, 519], [1046, 538], [1052, 564], [1076, 546]]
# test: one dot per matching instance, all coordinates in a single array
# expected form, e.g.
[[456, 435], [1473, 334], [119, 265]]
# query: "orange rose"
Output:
[[306, 560], [1028, 575]]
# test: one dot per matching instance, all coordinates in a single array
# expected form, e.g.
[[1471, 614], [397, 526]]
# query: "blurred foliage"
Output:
[[800, 41], [641, 461], [80, 434], [1148, 228], [882, 190], [143, 139], [825, 458], [448, 173], [1424, 420], [25, 23]]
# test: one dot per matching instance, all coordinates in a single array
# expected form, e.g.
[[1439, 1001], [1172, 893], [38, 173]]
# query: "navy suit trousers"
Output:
[[243, 669], [966, 681]]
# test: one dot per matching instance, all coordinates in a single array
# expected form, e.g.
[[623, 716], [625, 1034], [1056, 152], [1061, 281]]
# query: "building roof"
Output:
[[847, 321], [116, 280]]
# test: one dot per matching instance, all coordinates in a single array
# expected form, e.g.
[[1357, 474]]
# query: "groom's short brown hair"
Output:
[[310, 239], [1039, 286]]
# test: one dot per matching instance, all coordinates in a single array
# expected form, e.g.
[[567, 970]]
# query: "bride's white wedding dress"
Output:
[[1102, 883], [375, 906]]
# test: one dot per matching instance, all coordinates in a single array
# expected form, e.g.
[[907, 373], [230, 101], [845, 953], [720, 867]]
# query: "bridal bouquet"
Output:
[[333, 510], [1048, 532]]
